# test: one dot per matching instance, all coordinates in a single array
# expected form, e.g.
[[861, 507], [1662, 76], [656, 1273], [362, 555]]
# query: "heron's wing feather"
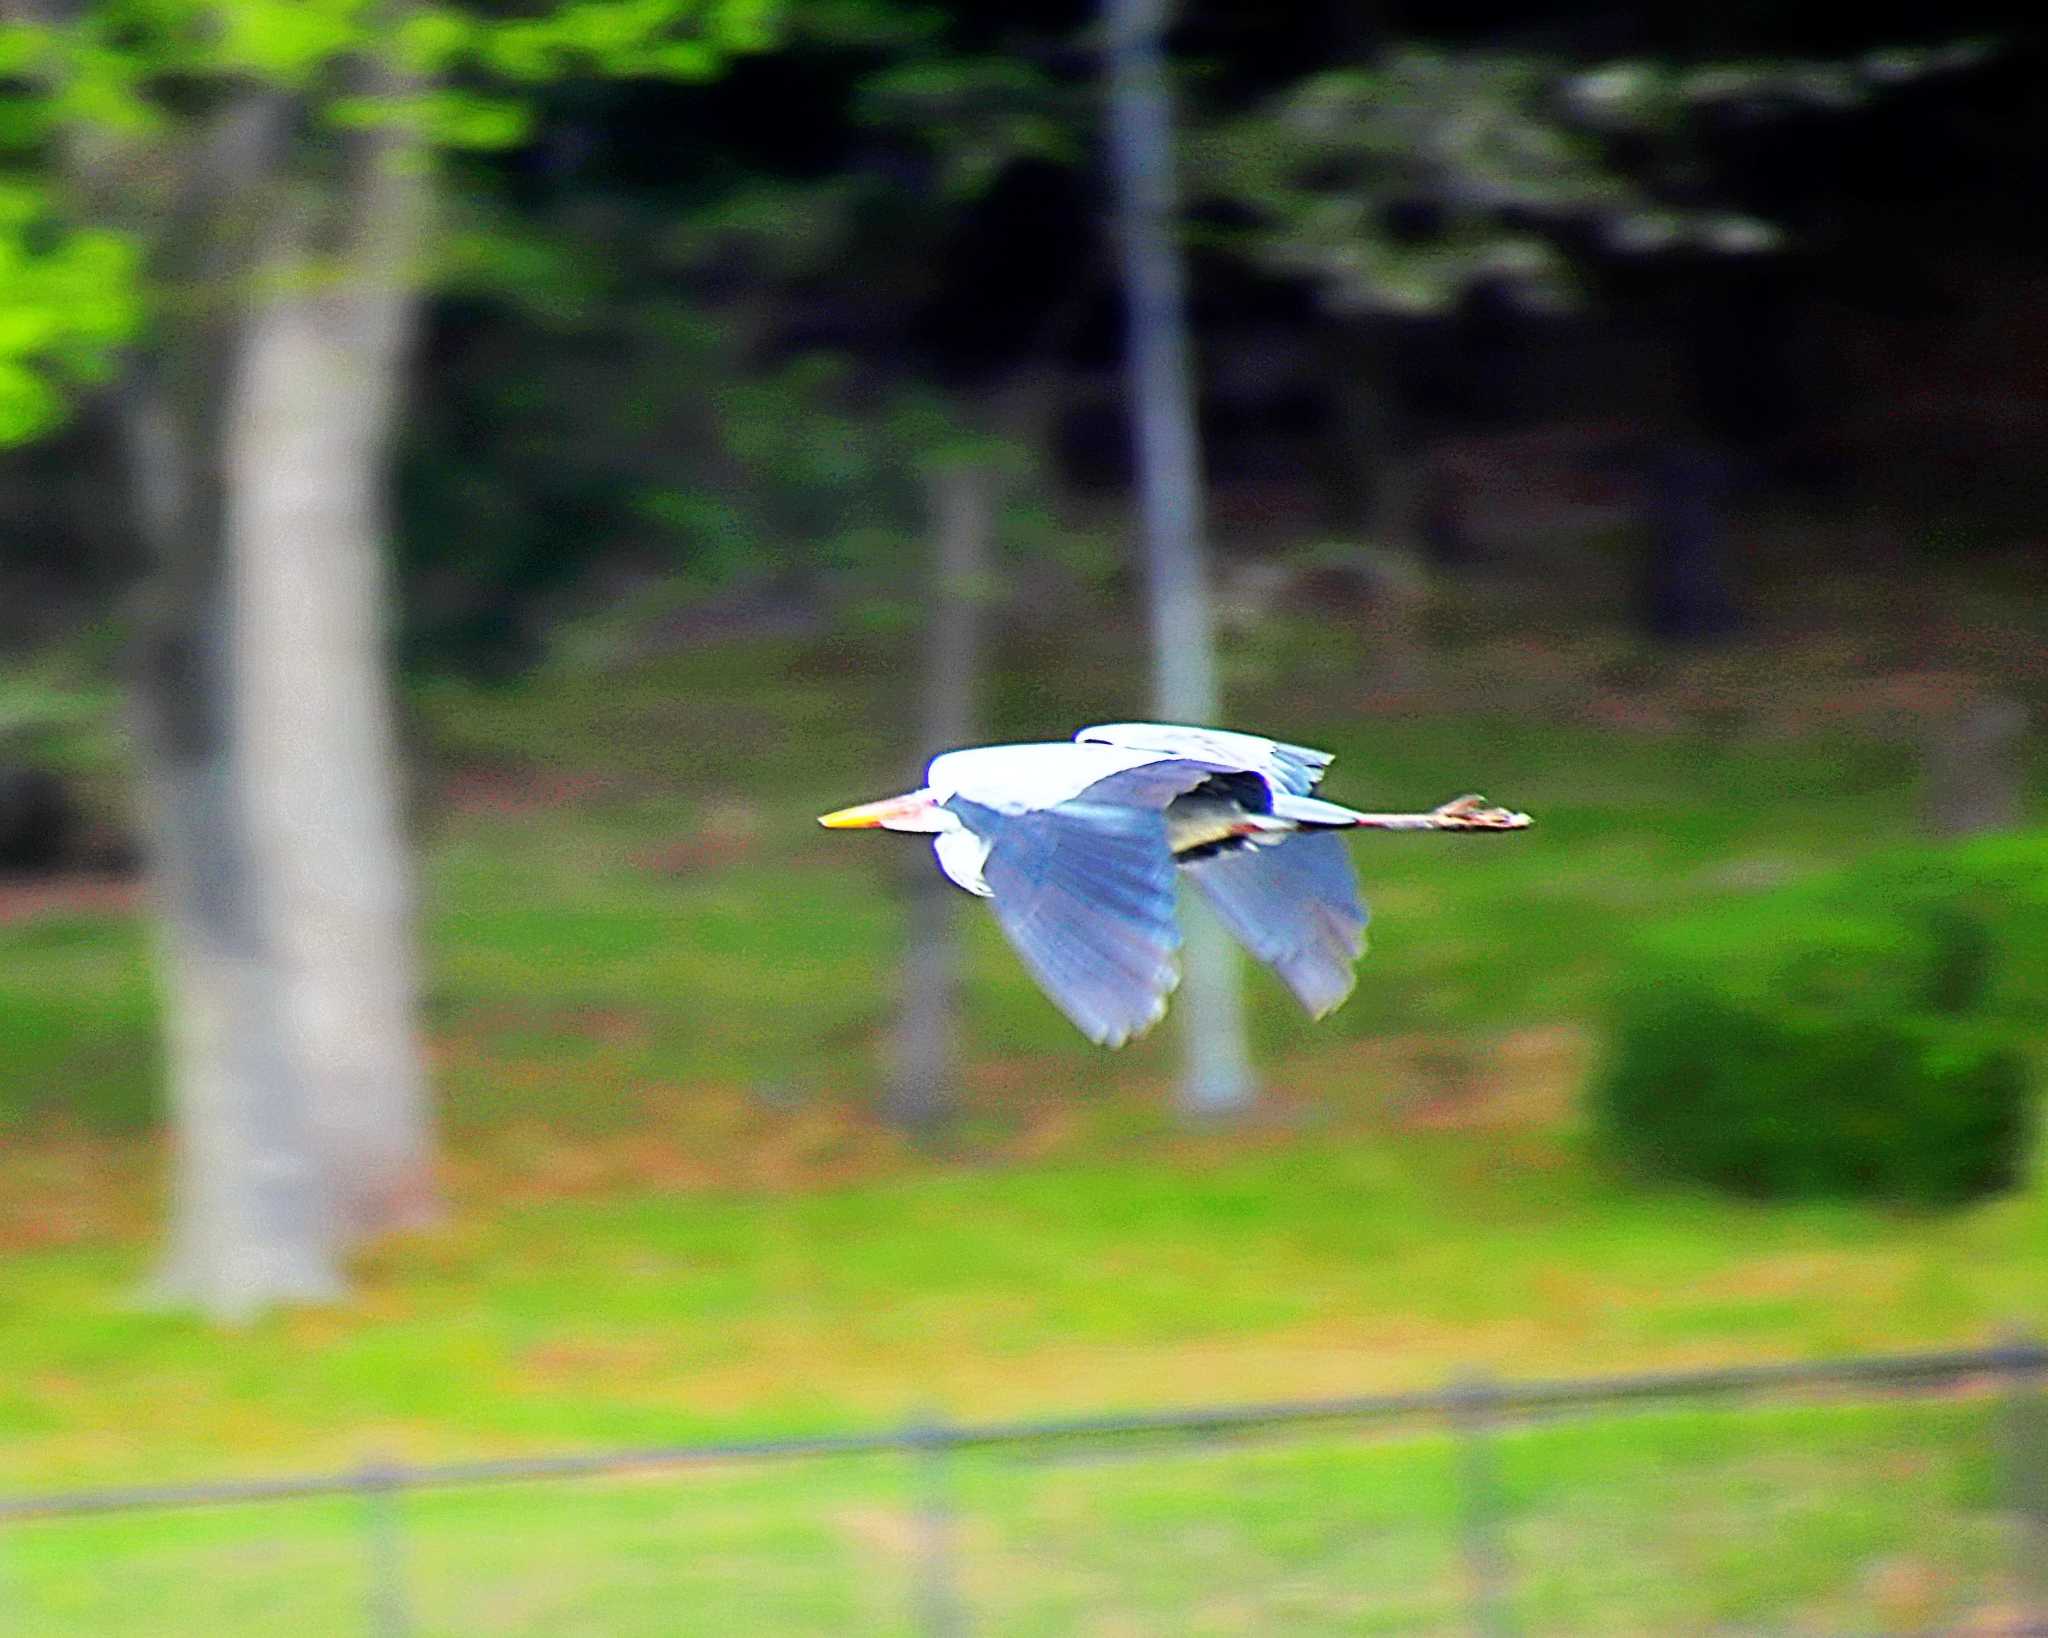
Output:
[[1295, 906], [1085, 894], [1152, 785], [1295, 769]]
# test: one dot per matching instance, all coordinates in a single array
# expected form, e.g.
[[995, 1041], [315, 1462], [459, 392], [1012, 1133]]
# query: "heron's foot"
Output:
[[1476, 813]]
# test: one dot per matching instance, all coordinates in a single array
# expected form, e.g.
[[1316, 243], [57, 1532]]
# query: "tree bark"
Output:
[[251, 1224], [1216, 1078], [925, 1066], [306, 446], [255, 441], [1685, 596], [1973, 770]]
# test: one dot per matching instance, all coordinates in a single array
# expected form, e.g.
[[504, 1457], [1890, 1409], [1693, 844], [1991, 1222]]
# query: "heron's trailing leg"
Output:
[[1461, 813]]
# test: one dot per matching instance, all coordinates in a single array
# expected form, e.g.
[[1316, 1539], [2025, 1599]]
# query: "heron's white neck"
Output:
[[923, 814], [962, 855]]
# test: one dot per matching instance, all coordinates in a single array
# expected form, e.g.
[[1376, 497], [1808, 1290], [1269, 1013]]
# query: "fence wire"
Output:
[[1904, 1493]]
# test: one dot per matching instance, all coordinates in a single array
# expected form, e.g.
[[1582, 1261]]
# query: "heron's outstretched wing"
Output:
[[1296, 908], [1295, 769], [1084, 891]]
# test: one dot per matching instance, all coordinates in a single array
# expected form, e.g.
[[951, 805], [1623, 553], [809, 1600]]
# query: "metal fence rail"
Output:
[[1474, 1409]]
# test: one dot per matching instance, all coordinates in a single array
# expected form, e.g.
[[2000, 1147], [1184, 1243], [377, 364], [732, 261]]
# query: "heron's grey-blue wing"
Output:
[[1295, 906], [1084, 891], [1296, 769]]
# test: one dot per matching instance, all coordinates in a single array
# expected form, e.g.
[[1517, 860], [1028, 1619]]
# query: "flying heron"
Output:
[[1075, 845]]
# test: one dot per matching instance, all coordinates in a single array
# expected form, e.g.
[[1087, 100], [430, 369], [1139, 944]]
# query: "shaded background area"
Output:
[[1636, 419]]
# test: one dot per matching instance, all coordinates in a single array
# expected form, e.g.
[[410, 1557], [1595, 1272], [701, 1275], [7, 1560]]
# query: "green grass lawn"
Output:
[[1793, 1518], [656, 994]]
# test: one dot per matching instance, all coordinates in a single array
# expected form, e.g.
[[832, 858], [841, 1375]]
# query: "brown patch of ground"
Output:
[[70, 1187], [29, 899], [1525, 1078], [892, 1532], [608, 1026], [2001, 1621], [508, 792], [1864, 652], [714, 1138], [73, 1187], [686, 1140], [723, 834]]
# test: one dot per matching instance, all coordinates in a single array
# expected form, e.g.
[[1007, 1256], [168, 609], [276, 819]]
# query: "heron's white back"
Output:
[[1024, 778]]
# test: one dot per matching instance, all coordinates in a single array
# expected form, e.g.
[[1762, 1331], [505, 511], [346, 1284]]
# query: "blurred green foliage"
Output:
[[1787, 1100], [1857, 1036], [69, 299], [1322, 163], [103, 109], [975, 116], [697, 371], [1400, 182], [697, 470]]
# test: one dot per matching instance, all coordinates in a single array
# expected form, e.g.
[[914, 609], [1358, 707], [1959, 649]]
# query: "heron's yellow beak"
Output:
[[875, 815]]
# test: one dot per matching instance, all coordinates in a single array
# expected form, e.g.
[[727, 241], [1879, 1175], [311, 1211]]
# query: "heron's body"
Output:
[[1226, 811], [1078, 845]]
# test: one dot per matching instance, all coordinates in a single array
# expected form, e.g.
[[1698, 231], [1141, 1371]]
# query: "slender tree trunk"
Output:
[[306, 447], [1973, 764], [256, 445], [1685, 595], [963, 522], [251, 1224], [1373, 469], [251, 1220], [1217, 1078]]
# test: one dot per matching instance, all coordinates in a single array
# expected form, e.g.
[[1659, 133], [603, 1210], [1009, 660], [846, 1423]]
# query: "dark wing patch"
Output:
[[1295, 906], [1154, 784], [1248, 791], [1084, 892]]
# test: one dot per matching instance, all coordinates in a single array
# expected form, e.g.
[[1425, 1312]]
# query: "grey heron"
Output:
[[1077, 845]]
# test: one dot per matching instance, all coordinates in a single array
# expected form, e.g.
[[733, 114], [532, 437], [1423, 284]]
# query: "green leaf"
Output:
[[433, 38], [28, 405], [288, 40], [24, 47], [447, 118]]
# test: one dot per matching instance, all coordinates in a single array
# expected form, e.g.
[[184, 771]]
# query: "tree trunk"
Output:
[[306, 445], [256, 450], [922, 1077], [251, 1224], [1217, 1078], [1685, 597], [1373, 470], [1973, 770]]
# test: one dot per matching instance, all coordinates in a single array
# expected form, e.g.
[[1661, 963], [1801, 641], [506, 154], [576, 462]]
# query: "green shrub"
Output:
[[1784, 1101], [1985, 903], [1859, 1037]]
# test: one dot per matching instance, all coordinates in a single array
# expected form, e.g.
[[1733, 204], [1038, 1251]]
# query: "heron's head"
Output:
[[917, 810]]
